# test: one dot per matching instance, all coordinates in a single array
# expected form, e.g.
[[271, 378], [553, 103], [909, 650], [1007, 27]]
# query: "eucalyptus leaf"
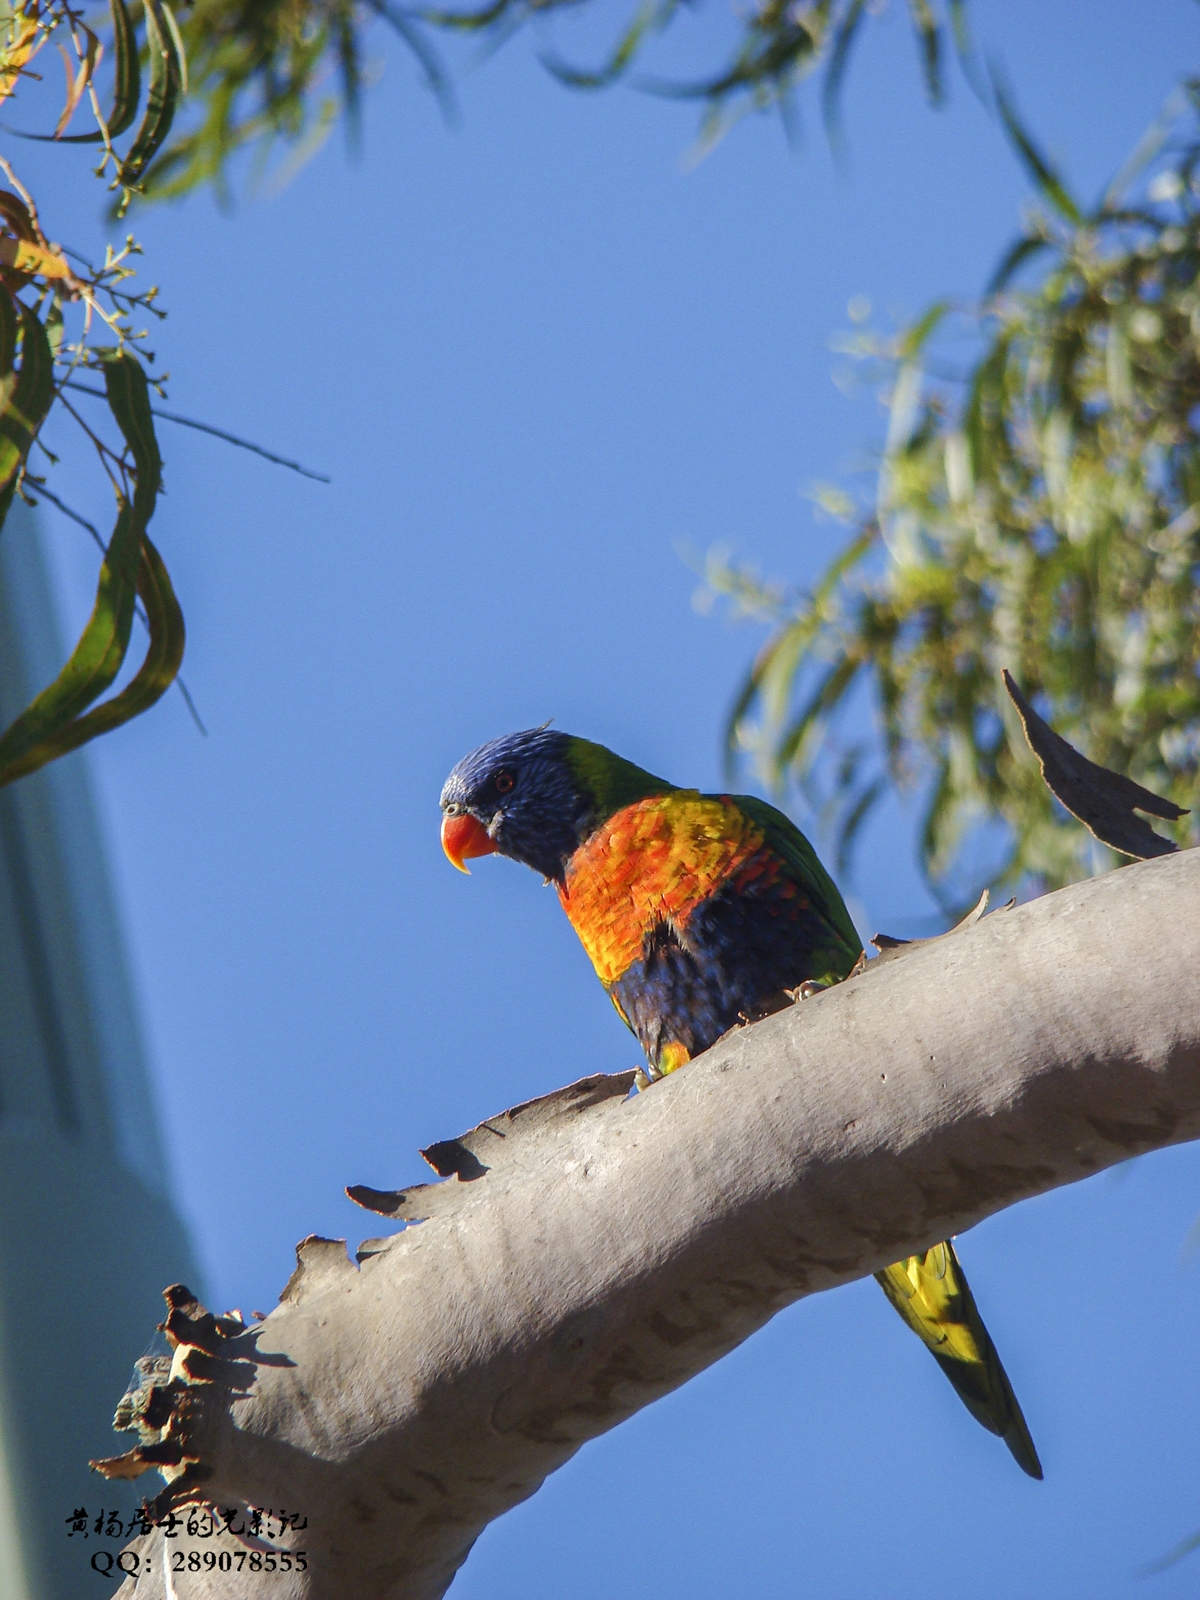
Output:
[[25, 400], [55, 721], [127, 88], [162, 99]]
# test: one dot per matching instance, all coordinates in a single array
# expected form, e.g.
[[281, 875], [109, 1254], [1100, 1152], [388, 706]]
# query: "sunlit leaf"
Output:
[[21, 37], [27, 252], [22, 256], [77, 79]]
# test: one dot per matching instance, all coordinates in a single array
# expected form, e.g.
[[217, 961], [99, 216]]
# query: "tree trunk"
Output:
[[594, 1251]]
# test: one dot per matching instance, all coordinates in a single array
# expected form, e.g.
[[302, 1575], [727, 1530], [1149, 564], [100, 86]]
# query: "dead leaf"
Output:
[[1103, 801]]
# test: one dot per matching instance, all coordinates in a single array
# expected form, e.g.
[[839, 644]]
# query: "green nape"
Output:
[[931, 1293], [612, 781]]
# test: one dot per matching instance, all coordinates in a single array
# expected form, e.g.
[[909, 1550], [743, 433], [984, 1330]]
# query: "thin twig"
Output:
[[101, 448], [219, 433], [48, 494], [28, 199], [191, 705]]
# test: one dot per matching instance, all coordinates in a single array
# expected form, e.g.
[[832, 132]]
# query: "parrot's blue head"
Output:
[[535, 797], [521, 797]]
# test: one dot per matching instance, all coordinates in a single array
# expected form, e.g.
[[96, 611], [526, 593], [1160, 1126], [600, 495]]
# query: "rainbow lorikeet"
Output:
[[699, 912]]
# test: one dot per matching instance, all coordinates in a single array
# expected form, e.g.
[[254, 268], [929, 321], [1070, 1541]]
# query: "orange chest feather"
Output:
[[652, 862]]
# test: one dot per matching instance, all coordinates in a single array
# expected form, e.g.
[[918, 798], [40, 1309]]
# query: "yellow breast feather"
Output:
[[654, 861]]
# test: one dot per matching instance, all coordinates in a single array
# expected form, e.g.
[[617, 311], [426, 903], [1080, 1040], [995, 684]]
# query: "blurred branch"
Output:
[[268, 73]]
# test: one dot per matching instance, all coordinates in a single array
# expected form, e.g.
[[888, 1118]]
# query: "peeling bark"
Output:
[[592, 1252]]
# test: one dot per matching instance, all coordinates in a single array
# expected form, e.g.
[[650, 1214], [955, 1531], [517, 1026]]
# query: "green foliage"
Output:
[[1042, 513], [268, 72], [41, 292]]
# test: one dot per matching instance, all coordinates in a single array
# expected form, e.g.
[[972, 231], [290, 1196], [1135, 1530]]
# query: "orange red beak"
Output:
[[464, 837]]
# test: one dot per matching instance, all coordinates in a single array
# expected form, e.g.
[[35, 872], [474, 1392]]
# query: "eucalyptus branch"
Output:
[[592, 1252]]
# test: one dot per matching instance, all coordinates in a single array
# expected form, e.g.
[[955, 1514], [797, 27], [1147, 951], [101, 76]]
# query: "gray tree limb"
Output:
[[613, 1248]]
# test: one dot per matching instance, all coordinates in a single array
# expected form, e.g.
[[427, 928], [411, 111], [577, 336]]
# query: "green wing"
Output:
[[931, 1293], [786, 840]]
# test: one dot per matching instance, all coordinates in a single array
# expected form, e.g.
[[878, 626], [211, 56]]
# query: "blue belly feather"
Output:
[[734, 956]]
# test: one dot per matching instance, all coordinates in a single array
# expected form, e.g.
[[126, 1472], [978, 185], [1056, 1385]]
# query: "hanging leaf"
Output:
[[25, 396], [651, 16], [127, 89], [839, 59], [15, 213], [257, 70], [1047, 181], [162, 100], [154, 677], [56, 722], [129, 401], [929, 38], [30, 741]]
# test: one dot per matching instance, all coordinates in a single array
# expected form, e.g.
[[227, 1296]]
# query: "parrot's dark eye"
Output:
[[504, 782]]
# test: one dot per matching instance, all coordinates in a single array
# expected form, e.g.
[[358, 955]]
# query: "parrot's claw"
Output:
[[808, 988], [767, 1007]]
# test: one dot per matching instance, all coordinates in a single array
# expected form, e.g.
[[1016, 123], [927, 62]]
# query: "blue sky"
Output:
[[540, 353]]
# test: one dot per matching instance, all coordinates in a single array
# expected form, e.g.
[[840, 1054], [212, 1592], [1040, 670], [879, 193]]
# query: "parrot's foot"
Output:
[[767, 1007], [640, 1081], [770, 1004], [808, 988]]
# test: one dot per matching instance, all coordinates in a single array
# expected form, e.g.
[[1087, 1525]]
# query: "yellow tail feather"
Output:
[[931, 1293]]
